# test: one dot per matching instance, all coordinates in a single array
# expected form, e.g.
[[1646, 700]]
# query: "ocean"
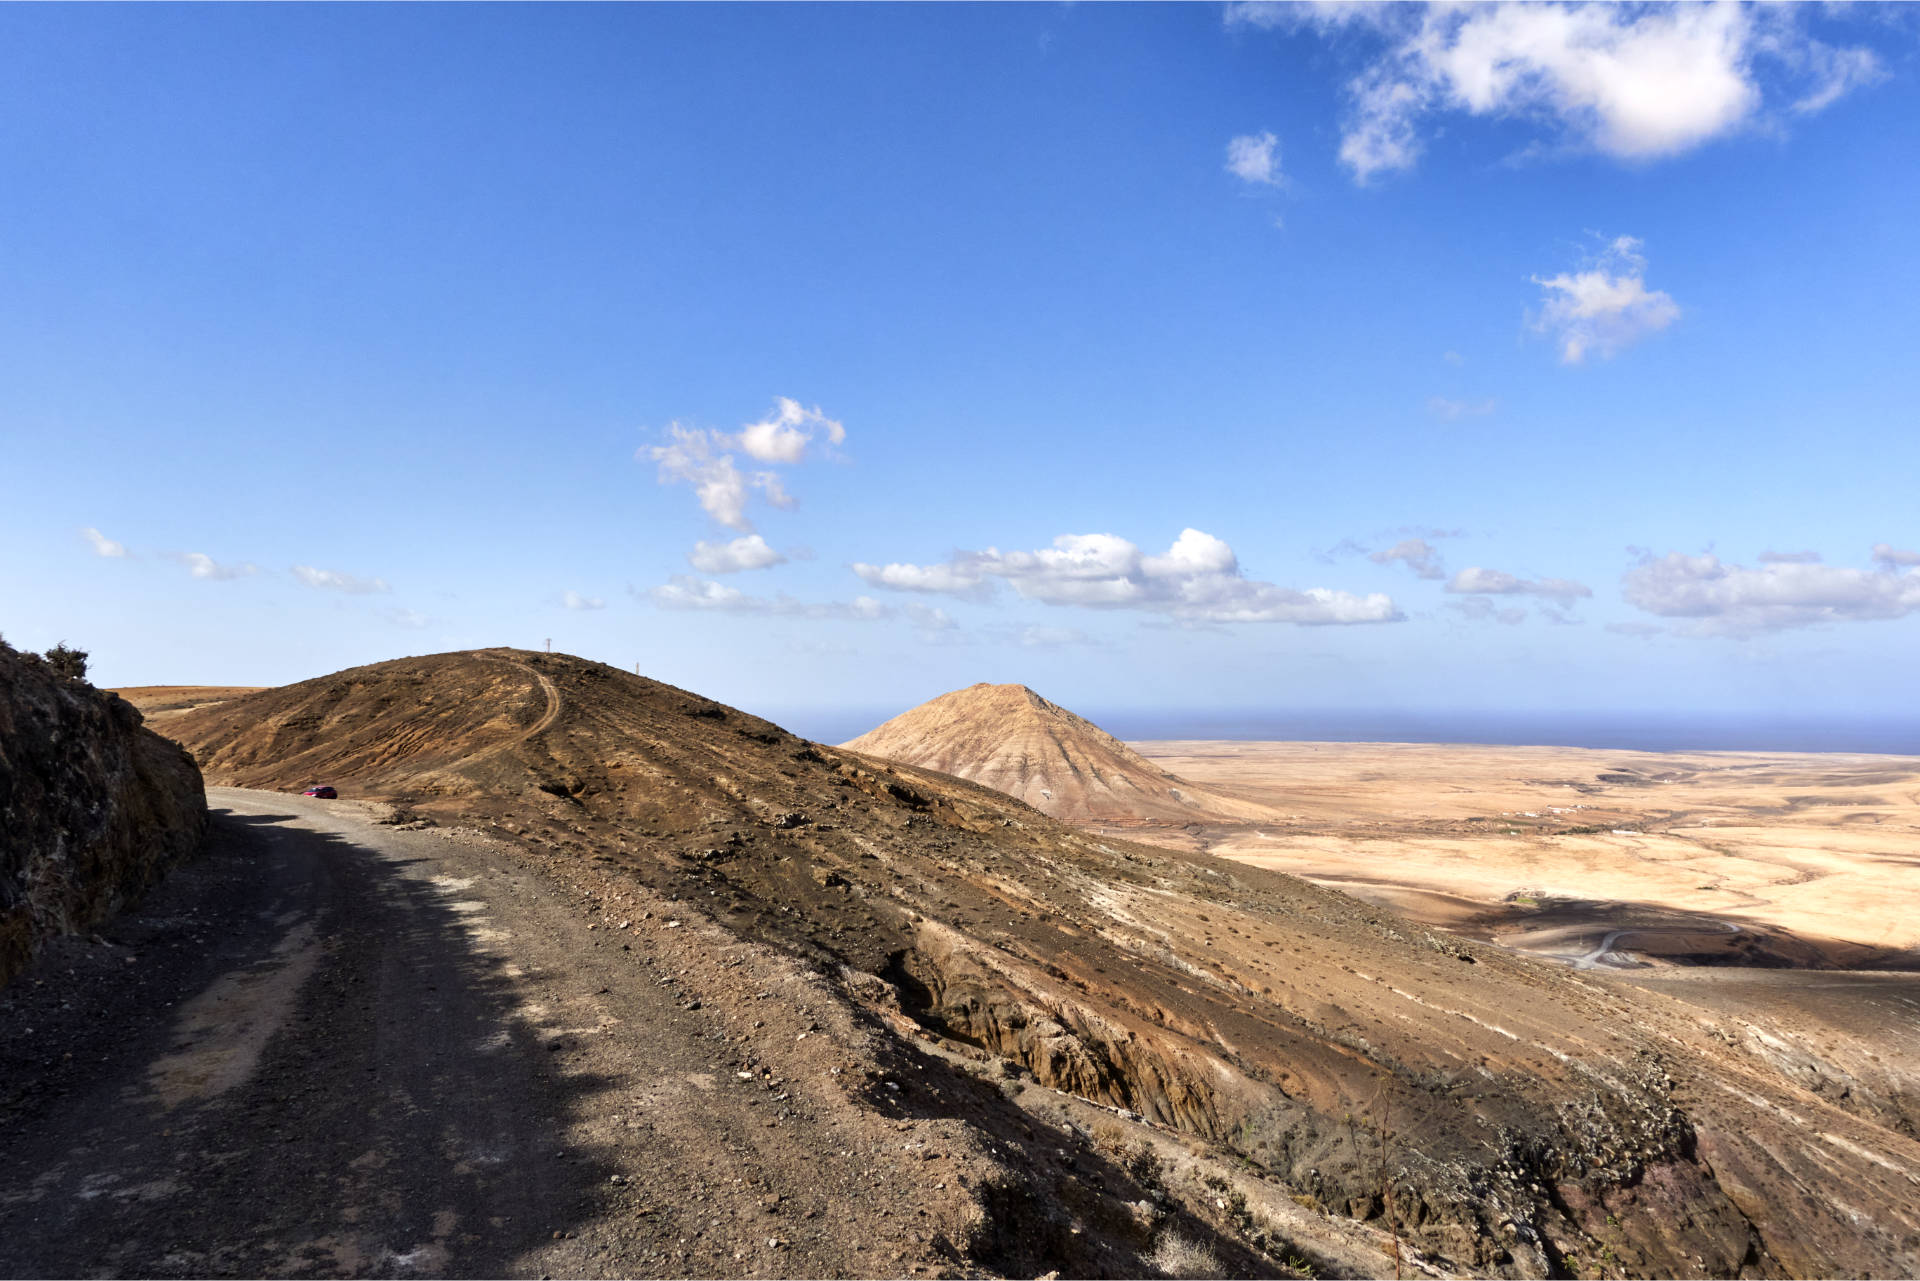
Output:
[[1658, 731]]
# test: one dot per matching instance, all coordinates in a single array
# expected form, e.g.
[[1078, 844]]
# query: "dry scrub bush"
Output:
[[1175, 1256]]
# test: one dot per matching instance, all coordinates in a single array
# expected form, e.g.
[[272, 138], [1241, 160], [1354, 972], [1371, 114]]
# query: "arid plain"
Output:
[[1590, 855], [1054, 1045]]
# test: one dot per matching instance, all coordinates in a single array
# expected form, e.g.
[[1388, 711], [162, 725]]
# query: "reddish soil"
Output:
[[1010, 739]]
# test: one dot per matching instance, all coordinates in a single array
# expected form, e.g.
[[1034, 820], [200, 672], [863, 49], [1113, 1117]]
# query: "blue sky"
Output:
[[1514, 359]]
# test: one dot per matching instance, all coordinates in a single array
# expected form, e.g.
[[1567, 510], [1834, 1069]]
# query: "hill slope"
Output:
[[1505, 1116], [1010, 739]]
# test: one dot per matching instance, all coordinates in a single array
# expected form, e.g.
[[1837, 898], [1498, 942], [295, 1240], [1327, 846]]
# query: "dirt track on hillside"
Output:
[[334, 1047], [1503, 1115]]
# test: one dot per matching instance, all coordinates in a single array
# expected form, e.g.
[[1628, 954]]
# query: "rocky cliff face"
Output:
[[93, 807]]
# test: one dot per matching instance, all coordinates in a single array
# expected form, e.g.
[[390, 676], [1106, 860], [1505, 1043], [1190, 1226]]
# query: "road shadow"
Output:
[[398, 1114], [1628, 935]]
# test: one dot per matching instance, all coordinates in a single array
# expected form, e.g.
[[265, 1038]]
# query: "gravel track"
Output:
[[333, 1047]]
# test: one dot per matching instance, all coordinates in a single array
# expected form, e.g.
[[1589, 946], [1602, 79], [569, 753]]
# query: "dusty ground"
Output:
[[158, 702], [1235, 1038], [1593, 856], [335, 1047]]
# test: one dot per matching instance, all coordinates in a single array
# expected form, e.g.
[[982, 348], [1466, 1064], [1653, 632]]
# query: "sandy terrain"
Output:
[[1010, 739], [1115, 1045], [1498, 1114], [1596, 857], [159, 702]]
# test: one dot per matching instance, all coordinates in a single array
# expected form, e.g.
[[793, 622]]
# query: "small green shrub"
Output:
[[67, 661]]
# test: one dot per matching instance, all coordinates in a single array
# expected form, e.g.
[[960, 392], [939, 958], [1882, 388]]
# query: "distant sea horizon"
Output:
[[1618, 731]]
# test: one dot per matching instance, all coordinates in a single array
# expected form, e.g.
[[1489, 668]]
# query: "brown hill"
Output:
[[158, 702], [1503, 1115], [1010, 739]]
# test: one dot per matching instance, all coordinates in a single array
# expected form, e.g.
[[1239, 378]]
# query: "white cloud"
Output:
[[1197, 580], [333, 580], [1836, 72], [574, 600], [700, 457], [1737, 600], [1322, 15], [1635, 82], [1420, 556], [959, 578], [690, 457], [1255, 158], [1789, 558], [1481, 609], [201, 565], [1453, 410], [104, 546], [684, 591], [1893, 557], [1606, 307], [1476, 581], [783, 436], [750, 551], [1641, 630], [1453, 358], [1380, 135], [411, 618]]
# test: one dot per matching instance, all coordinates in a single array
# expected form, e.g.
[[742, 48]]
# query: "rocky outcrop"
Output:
[[93, 806]]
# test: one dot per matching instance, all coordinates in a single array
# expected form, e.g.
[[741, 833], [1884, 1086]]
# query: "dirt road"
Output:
[[334, 1047]]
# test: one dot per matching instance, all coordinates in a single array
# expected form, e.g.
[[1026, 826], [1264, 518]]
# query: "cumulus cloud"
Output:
[[1737, 600], [104, 546], [1417, 554], [1635, 82], [1892, 557], [1255, 158], [1476, 581], [691, 457], [201, 565], [1604, 308], [783, 436], [1198, 579], [332, 580], [702, 457], [1453, 410], [961, 577], [1789, 558], [574, 600], [750, 551]]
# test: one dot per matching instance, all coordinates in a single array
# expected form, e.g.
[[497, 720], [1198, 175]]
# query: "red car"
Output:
[[324, 792]]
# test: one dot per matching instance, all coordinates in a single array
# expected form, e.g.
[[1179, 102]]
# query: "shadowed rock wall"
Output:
[[93, 806]]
